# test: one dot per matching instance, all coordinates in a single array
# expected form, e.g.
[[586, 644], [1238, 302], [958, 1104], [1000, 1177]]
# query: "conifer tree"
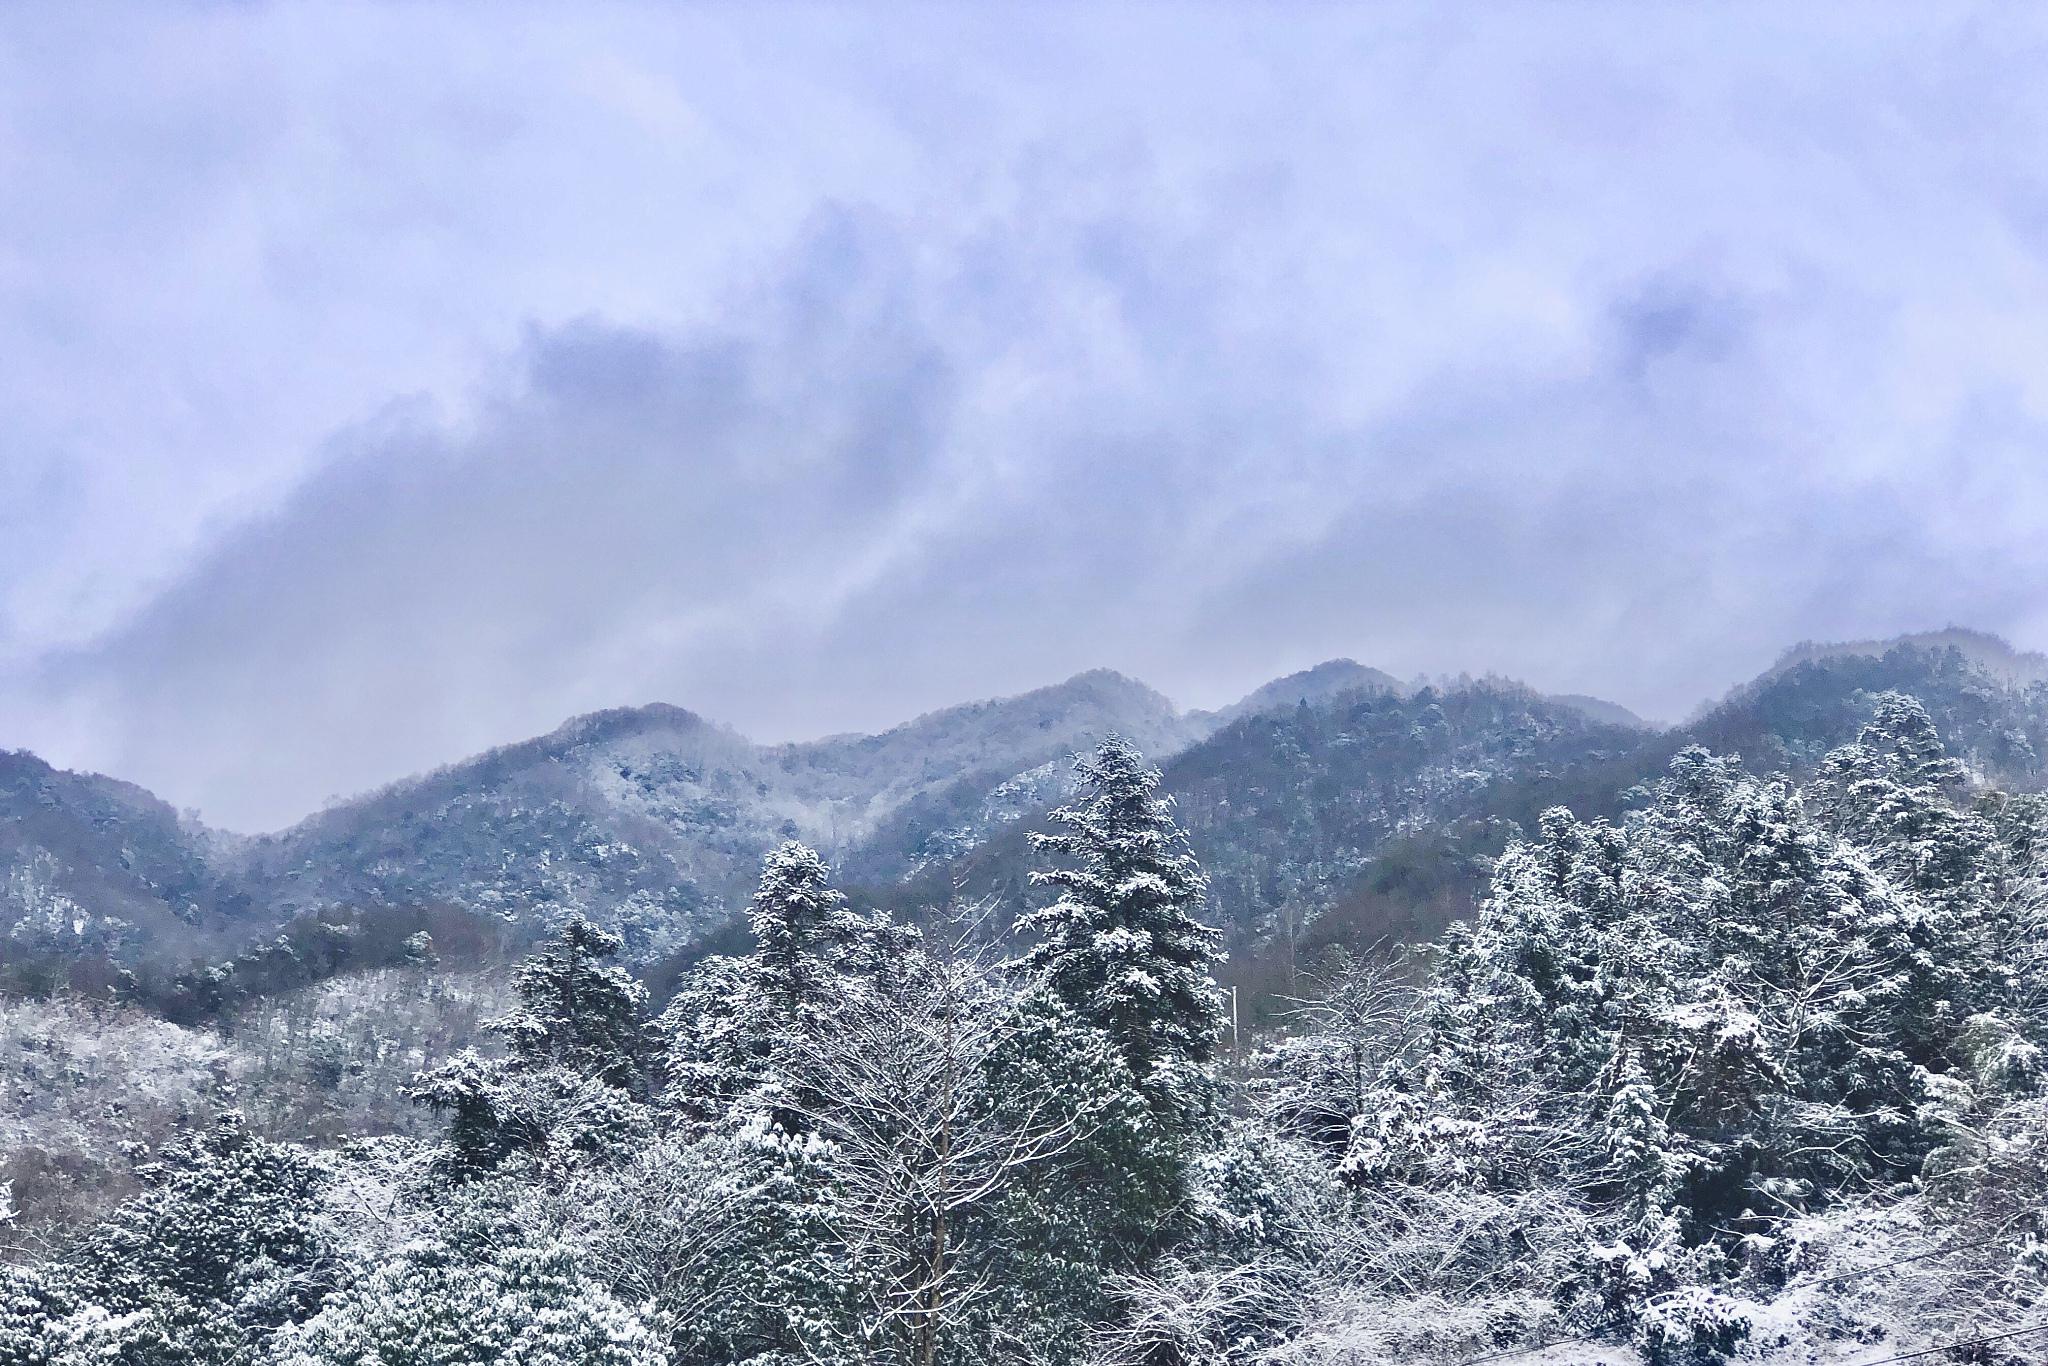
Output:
[[804, 935], [1121, 947], [225, 1246], [1893, 793], [431, 1306], [581, 1051], [737, 1022], [1640, 1169], [576, 1010]]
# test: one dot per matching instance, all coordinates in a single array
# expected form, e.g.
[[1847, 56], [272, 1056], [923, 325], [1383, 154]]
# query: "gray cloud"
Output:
[[390, 388]]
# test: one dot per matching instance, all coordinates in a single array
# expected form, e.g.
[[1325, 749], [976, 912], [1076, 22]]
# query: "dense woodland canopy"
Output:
[[1748, 1068], [528, 516]]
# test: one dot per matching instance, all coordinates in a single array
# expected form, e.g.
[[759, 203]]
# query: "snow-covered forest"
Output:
[[1021, 684], [1752, 1072]]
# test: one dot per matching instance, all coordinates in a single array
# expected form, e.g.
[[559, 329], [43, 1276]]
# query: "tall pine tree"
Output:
[[580, 1054], [804, 935], [1121, 947], [578, 1011], [737, 1022]]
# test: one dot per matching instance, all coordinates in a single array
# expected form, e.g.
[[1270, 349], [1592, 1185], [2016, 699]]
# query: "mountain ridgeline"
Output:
[[1334, 805], [1755, 1074], [650, 819]]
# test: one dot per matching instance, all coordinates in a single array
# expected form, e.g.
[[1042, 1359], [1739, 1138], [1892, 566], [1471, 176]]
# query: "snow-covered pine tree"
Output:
[[432, 1306], [1893, 792], [1634, 1187], [804, 936], [709, 1061], [578, 1011], [1100, 1208], [735, 1022], [1122, 1016], [1121, 947], [37, 1314], [226, 1245], [581, 1052]]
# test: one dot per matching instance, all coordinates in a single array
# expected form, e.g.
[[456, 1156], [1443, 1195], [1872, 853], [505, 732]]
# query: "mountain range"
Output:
[[1334, 802]]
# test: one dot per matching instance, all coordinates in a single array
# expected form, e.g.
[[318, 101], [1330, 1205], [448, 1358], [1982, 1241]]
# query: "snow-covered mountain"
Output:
[[650, 818], [103, 866], [1308, 792], [655, 820], [1993, 654], [1331, 678], [1369, 812]]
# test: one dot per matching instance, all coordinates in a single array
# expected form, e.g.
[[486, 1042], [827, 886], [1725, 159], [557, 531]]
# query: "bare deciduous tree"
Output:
[[902, 1083]]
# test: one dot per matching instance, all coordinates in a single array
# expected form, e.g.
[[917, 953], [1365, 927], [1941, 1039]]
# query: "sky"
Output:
[[381, 383]]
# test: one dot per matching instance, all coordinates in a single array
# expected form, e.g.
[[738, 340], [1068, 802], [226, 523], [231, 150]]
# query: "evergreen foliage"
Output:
[[578, 1049], [1120, 947], [578, 1011], [1748, 1071], [430, 1306]]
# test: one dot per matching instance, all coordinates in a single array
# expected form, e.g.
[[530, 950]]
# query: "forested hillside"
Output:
[[650, 820], [1331, 806], [1360, 813], [102, 867], [1000, 684], [1750, 1071]]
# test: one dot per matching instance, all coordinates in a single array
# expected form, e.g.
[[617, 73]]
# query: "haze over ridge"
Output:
[[820, 373]]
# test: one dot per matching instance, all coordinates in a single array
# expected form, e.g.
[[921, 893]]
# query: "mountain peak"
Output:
[[1992, 653], [1313, 684], [1080, 710], [1600, 710], [1108, 682], [618, 722]]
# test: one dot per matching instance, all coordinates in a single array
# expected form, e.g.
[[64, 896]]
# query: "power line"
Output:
[[1886, 1266], [1951, 1346]]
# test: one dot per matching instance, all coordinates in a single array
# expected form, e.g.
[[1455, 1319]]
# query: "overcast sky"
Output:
[[379, 384]]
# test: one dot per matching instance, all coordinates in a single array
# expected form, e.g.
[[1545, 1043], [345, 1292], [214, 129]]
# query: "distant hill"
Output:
[[103, 866], [1984, 696], [1331, 678], [1299, 810], [1601, 710], [655, 820], [1367, 814], [1993, 654], [649, 818], [1333, 802]]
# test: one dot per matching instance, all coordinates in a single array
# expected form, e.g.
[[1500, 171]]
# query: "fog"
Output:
[[382, 385]]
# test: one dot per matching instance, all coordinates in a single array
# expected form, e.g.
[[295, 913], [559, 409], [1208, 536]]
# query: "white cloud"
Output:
[[386, 383]]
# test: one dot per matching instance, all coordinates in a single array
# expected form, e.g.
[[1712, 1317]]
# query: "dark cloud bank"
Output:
[[1619, 374]]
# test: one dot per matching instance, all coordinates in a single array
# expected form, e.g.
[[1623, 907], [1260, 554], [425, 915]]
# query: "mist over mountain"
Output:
[[1990, 653], [314, 979], [651, 819], [1334, 792], [1329, 679], [1428, 830], [1601, 710], [100, 864]]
